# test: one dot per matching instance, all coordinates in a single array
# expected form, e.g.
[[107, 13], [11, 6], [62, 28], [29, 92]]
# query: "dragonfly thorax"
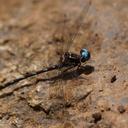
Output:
[[70, 59]]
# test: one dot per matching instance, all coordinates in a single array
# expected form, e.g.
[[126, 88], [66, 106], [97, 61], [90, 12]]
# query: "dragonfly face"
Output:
[[85, 55]]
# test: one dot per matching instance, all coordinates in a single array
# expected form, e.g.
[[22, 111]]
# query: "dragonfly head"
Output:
[[85, 55]]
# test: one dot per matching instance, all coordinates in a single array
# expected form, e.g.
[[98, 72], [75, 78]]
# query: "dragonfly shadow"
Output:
[[68, 75]]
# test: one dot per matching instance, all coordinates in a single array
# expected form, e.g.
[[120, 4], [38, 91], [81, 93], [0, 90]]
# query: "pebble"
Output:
[[97, 116], [121, 109]]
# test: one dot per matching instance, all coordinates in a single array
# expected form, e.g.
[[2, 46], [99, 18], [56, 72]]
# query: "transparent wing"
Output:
[[60, 35], [74, 29], [63, 38], [68, 30]]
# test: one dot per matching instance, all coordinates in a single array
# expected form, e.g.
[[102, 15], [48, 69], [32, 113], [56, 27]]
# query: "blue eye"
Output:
[[85, 55]]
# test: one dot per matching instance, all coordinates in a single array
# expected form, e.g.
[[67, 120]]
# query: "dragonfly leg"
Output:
[[68, 68], [79, 65]]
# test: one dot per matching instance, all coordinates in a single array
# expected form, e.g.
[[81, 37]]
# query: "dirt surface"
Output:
[[94, 96]]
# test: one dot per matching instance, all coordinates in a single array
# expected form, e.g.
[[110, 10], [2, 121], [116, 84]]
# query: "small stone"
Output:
[[2, 79], [97, 116], [113, 79], [121, 109]]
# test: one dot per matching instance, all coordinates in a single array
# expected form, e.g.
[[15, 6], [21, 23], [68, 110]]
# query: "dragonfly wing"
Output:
[[63, 38], [60, 34], [74, 29], [67, 31]]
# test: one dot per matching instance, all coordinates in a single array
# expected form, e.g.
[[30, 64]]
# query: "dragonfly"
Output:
[[67, 60]]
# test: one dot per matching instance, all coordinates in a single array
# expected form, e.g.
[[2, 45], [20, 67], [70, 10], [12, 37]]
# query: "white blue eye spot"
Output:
[[85, 55]]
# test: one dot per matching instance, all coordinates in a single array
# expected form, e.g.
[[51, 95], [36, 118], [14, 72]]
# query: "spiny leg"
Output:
[[68, 68]]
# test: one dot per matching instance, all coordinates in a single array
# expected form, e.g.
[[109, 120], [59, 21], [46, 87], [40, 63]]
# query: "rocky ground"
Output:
[[31, 37]]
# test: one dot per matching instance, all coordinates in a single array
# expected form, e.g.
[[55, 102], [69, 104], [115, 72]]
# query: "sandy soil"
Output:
[[95, 96]]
